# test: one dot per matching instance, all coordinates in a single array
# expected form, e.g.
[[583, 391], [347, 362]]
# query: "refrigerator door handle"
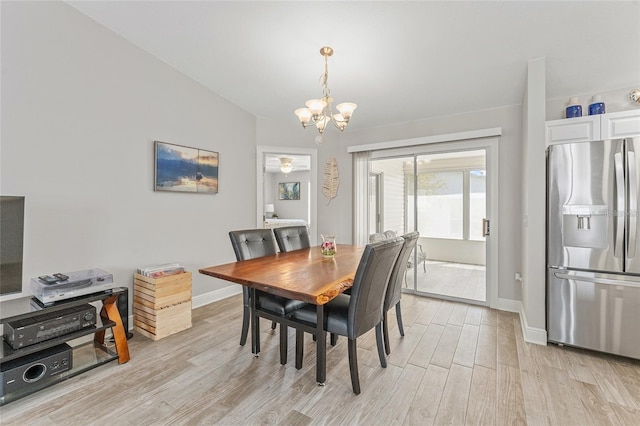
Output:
[[620, 207], [568, 276], [632, 212]]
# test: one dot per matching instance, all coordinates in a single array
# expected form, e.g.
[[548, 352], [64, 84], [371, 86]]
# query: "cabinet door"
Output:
[[580, 129], [618, 125]]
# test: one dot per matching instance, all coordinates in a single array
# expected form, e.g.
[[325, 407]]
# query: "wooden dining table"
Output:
[[300, 275]]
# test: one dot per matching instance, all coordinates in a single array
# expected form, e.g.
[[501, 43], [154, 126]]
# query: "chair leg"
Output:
[[257, 331], [353, 366], [246, 314], [299, 348], [385, 333], [380, 344], [284, 343], [399, 317], [334, 339], [245, 326]]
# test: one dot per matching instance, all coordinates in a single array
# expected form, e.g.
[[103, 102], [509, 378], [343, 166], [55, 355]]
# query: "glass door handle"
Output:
[[486, 227]]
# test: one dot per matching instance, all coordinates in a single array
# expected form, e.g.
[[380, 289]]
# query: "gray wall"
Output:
[[288, 209], [340, 209], [81, 108]]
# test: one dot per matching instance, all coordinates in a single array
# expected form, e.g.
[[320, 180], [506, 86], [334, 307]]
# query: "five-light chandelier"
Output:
[[319, 112]]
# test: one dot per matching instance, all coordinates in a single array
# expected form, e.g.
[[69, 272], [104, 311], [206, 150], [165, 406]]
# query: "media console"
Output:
[[31, 368]]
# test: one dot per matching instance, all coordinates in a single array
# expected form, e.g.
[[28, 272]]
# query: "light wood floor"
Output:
[[457, 364], [452, 279]]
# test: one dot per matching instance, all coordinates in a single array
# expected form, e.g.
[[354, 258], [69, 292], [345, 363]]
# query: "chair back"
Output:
[[370, 284], [390, 234], [252, 243], [378, 236], [291, 238], [394, 290]]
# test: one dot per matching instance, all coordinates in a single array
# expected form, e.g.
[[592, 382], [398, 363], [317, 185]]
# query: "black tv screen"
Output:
[[11, 243]]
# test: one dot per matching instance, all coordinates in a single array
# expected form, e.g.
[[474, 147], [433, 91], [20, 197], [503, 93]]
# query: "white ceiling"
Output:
[[399, 61]]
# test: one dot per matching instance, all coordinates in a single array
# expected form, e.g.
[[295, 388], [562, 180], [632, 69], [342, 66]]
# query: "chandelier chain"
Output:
[[324, 78]]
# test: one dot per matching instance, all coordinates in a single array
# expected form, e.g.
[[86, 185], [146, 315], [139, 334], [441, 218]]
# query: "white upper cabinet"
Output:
[[614, 125], [620, 124], [580, 129]]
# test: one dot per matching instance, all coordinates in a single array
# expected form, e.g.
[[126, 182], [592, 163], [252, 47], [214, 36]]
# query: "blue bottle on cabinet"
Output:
[[596, 106], [574, 109]]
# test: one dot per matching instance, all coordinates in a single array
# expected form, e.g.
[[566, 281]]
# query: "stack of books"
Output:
[[159, 271]]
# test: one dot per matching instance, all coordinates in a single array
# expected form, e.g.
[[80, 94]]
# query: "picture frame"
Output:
[[289, 191], [181, 168]]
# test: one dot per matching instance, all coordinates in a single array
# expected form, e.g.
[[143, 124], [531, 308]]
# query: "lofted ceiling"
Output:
[[399, 61]]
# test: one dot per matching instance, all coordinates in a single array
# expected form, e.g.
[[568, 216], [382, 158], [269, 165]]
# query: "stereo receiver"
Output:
[[29, 331]]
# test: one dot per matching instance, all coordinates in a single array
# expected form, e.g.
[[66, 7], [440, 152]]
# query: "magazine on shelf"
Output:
[[164, 270]]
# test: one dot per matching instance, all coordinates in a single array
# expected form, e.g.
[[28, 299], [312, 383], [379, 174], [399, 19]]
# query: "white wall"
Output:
[[81, 108], [460, 251], [392, 196], [533, 204]]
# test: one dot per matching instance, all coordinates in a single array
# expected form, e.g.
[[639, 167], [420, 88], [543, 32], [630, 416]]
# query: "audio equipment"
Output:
[[123, 308], [36, 329], [34, 369], [53, 288]]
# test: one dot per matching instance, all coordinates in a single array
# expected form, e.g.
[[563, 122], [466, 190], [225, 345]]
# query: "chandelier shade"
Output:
[[319, 112]]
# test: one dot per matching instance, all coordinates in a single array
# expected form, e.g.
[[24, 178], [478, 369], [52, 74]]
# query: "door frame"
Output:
[[490, 145], [263, 150]]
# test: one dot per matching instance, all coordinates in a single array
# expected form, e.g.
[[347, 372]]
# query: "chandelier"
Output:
[[319, 112]]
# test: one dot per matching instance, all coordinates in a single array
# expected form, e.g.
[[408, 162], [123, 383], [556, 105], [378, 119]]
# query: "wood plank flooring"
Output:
[[457, 365]]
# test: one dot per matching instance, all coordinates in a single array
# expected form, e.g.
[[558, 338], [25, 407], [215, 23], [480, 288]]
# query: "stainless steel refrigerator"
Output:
[[593, 245]]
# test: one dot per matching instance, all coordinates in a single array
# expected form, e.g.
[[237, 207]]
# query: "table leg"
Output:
[[255, 324], [321, 347]]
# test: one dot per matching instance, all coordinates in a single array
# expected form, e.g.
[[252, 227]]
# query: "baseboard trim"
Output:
[[534, 335], [509, 305], [214, 296]]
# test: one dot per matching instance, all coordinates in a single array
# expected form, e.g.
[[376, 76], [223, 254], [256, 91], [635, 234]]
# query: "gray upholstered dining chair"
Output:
[[355, 314], [249, 244], [421, 256], [291, 238], [394, 289]]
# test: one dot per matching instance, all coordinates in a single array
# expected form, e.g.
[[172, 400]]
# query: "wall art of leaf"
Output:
[[331, 179]]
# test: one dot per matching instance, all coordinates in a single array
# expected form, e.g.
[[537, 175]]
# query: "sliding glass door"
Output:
[[443, 196]]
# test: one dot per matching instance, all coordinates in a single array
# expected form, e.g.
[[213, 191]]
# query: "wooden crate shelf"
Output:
[[162, 306]]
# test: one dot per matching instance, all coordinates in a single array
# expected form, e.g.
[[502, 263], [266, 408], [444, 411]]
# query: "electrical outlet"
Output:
[[518, 277]]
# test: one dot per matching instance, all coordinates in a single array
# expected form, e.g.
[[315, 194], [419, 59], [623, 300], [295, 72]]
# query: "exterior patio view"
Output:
[[446, 203]]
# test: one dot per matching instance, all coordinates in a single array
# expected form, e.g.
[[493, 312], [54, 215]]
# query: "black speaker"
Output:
[[123, 308], [33, 369]]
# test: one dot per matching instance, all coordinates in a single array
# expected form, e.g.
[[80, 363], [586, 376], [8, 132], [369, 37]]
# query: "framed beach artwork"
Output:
[[289, 191], [184, 169]]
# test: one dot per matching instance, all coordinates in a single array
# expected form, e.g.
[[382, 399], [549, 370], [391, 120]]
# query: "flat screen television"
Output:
[[11, 244]]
